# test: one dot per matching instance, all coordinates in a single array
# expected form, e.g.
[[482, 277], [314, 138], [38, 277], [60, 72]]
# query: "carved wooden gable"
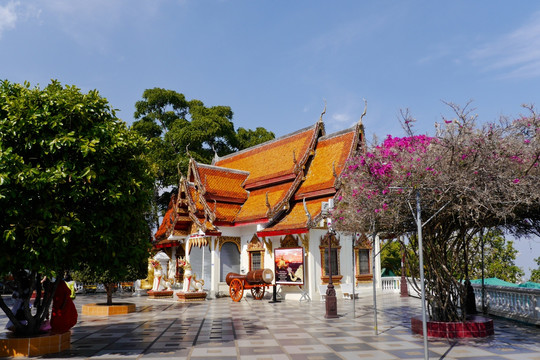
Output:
[[363, 242], [327, 237], [289, 241], [255, 244]]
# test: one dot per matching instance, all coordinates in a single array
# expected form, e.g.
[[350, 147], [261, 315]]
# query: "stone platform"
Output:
[[191, 296], [160, 294]]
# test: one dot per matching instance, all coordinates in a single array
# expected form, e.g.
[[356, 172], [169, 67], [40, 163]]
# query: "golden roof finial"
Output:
[[268, 202], [364, 113], [324, 111], [306, 210]]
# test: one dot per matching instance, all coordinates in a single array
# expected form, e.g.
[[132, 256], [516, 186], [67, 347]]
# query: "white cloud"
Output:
[[341, 117], [8, 16], [516, 54]]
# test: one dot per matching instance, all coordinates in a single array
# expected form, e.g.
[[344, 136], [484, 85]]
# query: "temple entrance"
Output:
[[200, 260], [229, 260]]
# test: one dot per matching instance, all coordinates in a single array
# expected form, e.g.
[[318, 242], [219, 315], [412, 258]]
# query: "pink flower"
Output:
[[516, 181]]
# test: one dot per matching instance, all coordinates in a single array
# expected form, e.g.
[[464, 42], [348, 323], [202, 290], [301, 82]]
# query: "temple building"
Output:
[[249, 208]]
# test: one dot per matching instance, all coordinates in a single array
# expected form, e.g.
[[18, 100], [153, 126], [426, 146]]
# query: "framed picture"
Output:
[[289, 266]]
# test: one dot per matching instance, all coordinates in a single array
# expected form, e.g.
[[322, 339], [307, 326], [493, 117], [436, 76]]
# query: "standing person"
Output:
[[64, 314]]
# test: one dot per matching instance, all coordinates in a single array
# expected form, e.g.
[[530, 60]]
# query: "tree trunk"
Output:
[[109, 288]]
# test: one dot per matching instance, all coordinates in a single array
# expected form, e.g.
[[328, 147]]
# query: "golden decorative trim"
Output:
[[363, 242], [232, 239], [289, 241], [198, 241], [255, 244], [326, 237], [305, 242], [268, 244]]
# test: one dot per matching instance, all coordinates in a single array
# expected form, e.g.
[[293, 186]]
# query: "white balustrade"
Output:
[[391, 283], [516, 303]]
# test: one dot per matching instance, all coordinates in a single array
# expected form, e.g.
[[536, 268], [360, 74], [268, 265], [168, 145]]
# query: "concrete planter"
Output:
[[107, 310], [34, 346], [474, 327]]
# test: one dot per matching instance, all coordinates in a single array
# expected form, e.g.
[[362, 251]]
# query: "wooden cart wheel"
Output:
[[257, 292], [236, 290]]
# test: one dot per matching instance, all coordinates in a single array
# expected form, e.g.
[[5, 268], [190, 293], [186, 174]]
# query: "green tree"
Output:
[[499, 258], [535, 273], [178, 128], [74, 185], [248, 138], [111, 277], [391, 253]]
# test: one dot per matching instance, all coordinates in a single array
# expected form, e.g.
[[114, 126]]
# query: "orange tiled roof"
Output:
[[167, 225], [195, 197], [275, 158], [221, 182], [331, 154], [297, 218], [255, 207], [226, 212]]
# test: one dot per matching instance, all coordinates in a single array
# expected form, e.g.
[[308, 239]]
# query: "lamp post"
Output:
[[403, 286], [331, 300]]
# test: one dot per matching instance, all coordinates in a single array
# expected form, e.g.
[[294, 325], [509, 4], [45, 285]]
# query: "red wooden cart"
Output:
[[257, 281]]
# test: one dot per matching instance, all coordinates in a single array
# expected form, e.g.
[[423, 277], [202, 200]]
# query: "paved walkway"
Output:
[[223, 329]]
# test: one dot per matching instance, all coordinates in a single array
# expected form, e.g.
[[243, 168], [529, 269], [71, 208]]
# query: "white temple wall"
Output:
[[312, 262]]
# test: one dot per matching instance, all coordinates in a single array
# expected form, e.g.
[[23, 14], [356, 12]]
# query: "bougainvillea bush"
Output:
[[469, 178]]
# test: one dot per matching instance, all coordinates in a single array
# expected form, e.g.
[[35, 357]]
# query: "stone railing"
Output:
[[392, 284], [516, 303]]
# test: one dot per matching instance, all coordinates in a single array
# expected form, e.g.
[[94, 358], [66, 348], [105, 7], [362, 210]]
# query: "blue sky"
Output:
[[276, 62]]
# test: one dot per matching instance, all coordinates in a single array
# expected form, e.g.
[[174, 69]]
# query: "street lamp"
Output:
[[331, 300]]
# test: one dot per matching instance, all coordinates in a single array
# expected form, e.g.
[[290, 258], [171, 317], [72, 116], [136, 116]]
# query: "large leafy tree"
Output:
[[468, 179], [535, 273], [178, 128], [499, 258], [74, 186]]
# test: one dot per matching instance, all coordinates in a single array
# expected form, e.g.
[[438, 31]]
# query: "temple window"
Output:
[[362, 251], [256, 253], [255, 260], [334, 257], [334, 261]]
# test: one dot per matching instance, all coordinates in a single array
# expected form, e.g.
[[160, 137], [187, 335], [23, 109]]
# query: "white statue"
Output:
[[160, 284], [190, 279], [171, 277]]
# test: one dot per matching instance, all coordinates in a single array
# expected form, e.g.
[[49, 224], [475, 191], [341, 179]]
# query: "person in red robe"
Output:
[[64, 314]]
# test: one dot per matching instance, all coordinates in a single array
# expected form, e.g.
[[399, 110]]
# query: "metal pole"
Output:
[[421, 254], [483, 285], [374, 284], [353, 278]]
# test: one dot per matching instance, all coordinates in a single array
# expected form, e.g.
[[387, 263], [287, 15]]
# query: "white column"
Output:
[[214, 268]]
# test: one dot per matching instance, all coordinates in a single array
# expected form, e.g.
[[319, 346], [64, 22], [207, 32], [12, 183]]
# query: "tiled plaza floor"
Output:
[[250, 329]]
